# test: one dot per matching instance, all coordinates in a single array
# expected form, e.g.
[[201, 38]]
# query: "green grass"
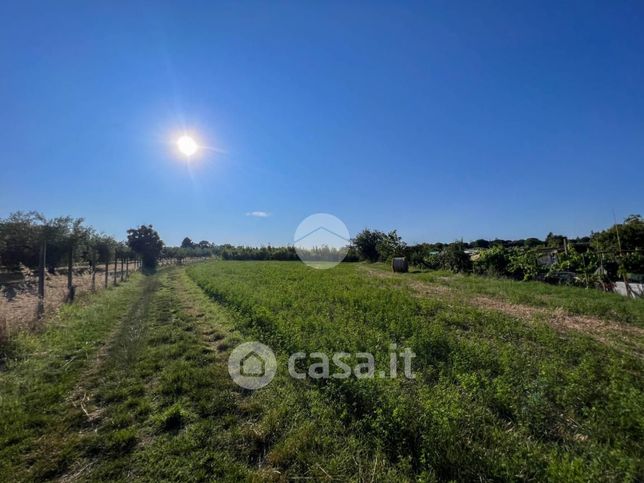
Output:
[[158, 404], [493, 398], [42, 369], [575, 300]]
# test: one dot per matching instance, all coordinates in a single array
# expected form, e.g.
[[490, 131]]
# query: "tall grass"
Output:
[[575, 300], [493, 397]]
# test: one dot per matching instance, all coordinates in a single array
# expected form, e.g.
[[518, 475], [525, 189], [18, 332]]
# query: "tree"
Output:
[[20, 235], [480, 243], [554, 241], [145, 241], [390, 245], [366, 242], [631, 236], [532, 242], [187, 243]]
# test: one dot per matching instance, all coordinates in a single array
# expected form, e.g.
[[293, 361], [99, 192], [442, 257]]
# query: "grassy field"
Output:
[[574, 300], [134, 385]]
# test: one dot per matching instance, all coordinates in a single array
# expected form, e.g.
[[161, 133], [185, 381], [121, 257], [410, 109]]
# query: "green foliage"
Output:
[[390, 245], [493, 261], [367, 243], [187, 243], [135, 386], [630, 234], [554, 241], [104, 248], [230, 252], [493, 397], [454, 259], [22, 235], [145, 241], [583, 264], [633, 262], [524, 264], [374, 245]]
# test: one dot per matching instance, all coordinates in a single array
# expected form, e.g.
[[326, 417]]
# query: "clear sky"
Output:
[[441, 119]]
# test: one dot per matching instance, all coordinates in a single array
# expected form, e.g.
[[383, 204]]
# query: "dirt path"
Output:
[[121, 348], [608, 332], [155, 391], [125, 387]]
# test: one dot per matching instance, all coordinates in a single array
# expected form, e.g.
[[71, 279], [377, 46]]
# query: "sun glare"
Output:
[[187, 145]]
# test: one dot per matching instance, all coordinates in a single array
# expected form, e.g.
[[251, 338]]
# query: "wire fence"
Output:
[[27, 296]]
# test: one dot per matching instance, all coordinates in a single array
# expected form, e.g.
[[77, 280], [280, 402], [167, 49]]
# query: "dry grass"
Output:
[[20, 312], [599, 329]]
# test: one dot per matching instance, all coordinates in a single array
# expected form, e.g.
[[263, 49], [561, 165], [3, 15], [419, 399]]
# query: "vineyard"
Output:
[[511, 382]]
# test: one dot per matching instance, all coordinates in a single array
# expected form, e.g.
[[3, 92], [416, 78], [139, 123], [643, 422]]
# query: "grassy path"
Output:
[[124, 388]]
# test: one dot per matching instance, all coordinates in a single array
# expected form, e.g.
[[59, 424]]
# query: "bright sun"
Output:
[[187, 145]]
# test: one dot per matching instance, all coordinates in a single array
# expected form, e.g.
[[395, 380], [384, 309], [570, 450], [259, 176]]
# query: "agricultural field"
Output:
[[512, 380]]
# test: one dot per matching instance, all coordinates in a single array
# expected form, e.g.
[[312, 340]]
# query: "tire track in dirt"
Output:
[[120, 345]]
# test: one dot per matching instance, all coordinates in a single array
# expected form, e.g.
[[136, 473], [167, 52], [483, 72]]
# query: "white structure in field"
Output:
[[636, 288]]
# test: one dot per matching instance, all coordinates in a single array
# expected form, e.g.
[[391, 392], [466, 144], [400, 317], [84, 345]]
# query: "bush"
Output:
[[493, 262], [524, 265], [454, 259]]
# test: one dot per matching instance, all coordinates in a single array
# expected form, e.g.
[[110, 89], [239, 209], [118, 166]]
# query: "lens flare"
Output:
[[187, 145]]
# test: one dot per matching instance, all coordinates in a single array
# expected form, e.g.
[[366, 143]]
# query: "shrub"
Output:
[[493, 261], [454, 259], [524, 265]]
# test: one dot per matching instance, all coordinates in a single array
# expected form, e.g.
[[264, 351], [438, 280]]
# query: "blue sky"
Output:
[[441, 119]]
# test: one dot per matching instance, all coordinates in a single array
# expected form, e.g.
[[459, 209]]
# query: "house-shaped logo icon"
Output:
[[321, 241], [252, 364]]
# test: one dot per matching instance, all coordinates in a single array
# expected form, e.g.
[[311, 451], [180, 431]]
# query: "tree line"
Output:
[[607, 255], [30, 239], [610, 254]]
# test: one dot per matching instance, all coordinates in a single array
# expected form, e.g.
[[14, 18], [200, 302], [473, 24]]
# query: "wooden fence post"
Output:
[[127, 268], [122, 269], [42, 260], [115, 268], [70, 284], [107, 271], [93, 273]]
